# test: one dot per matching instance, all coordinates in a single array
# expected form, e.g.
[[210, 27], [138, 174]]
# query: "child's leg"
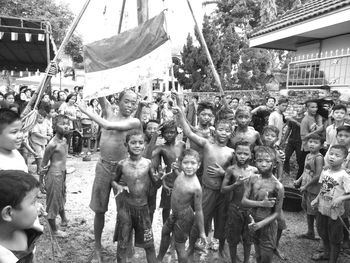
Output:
[[346, 243], [38, 164], [164, 242], [121, 254], [181, 252], [150, 254], [310, 225], [64, 220], [52, 223], [335, 230], [165, 214], [233, 252], [334, 253], [247, 248]]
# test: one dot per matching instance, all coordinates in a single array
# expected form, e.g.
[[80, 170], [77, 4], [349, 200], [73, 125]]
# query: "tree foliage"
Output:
[[226, 34], [59, 16]]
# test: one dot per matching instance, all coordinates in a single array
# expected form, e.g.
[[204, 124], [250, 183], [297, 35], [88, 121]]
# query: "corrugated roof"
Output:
[[308, 10]]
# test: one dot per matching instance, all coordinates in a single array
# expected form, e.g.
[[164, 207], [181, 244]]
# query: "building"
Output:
[[319, 32]]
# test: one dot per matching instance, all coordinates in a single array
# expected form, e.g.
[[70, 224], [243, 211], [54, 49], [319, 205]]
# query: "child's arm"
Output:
[[199, 213], [30, 149], [39, 135], [346, 185], [106, 107], [286, 134], [276, 214], [225, 187], [115, 182], [187, 129], [319, 162], [258, 139], [267, 202], [49, 150], [122, 125]]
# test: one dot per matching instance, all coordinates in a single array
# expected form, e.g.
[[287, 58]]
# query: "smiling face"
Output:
[[12, 136], [222, 132], [189, 165], [136, 145], [127, 103], [312, 108], [270, 103]]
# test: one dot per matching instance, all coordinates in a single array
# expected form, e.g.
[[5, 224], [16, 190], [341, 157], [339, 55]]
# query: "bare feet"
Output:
[[279, 254], [60, 234], [64, 222], [223, 256], [96, 256]]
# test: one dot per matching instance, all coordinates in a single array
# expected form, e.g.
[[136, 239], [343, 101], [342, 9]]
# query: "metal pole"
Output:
[[121, 17]]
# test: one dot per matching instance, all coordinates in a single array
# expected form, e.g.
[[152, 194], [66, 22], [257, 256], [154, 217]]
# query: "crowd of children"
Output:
[[226, 180]]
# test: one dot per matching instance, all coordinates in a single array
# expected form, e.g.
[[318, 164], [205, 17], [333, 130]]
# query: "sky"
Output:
[[101, 18]]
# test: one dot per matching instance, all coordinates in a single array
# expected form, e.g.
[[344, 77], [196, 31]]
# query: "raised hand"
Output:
[[215, 170]]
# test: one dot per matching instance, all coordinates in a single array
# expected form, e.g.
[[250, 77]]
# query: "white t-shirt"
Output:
[[333, 185], [276, 119], [13, 161]]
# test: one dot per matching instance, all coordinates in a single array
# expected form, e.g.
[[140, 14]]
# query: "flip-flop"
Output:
[[319, 256], [308, 236]]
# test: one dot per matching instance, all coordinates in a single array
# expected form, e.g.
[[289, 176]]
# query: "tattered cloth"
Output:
[[55, 186]]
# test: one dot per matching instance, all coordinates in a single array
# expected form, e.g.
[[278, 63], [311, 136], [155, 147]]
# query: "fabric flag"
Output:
[[129, 59]]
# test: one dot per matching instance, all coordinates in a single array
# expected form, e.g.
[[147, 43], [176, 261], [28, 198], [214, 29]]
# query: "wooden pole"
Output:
[[142, 11], [34, 101], [121, 17], [204, 45]]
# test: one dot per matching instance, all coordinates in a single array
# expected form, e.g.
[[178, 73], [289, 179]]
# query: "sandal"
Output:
[[320, 256]]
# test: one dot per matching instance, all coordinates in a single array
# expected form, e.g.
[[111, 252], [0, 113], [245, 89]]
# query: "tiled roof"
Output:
[[308, 10]]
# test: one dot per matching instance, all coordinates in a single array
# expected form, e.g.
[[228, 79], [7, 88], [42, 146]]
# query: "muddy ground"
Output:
[[78, 247]]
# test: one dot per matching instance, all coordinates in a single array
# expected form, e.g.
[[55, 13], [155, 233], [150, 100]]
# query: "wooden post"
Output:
[[121, 17], [142, 11]]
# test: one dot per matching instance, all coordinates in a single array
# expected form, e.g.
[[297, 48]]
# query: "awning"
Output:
[[23, 44]]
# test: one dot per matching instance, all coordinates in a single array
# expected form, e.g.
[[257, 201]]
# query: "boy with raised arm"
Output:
[[132, 182], [168, 152], [237, 215], [187, 191], [216, 157], [264, 194], [243, 132], [112, 145]]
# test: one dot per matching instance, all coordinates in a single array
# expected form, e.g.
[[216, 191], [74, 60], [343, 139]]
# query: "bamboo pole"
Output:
[[204, 45], [121, 17], [47, 78]]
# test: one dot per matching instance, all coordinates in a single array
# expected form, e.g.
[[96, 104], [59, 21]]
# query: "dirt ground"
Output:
[[78, 246]]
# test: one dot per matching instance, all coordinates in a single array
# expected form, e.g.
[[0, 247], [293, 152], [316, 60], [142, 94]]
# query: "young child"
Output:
[[186, 192], [168, 153], [309, 181], [216, 157], [264, 194], [238, 216], [19, 227], [276, 118], [54, 181], [335, 189], [39, 136], [339, 112], [11, 137], [134, 175], [243, 132]]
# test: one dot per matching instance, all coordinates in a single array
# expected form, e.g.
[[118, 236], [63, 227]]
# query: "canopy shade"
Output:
[[23, 44]]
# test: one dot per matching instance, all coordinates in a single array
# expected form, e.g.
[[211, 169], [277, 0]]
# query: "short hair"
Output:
[[7, 117], [189, 152], [342, 148], [243, 109], [308, 102], [271, 128], [91, 101], [144, 126], [315, 136], [70, 96], [340, 107], [168, 125], [217, 97], [283, 100], [242, 143], [133, 132], [270, 97], [204, 105], [235, 98], [196, 97], [14, 186], [345, 128], [123, 93], [265, 149], [223, 121], [42, 112]]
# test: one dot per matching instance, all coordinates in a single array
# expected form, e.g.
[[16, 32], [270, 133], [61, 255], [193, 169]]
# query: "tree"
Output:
[[59, 16]]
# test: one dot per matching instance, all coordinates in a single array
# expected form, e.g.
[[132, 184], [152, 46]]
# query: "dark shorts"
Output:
[[329, 229], [101, 188], [179, 224], [214, 207], [237, 225], [306, 203], [165, 201], [131, 218], [265, 239]]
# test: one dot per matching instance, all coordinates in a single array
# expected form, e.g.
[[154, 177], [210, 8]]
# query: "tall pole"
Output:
[[121, 17], [142, 11]]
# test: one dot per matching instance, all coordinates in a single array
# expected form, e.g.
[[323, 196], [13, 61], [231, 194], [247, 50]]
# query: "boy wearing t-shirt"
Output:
[[335, 189]]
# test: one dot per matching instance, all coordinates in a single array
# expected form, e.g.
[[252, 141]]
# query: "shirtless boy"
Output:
[[216, 157], [112, 151], [186, 191], [243, 132], [132, 182], [168, 152], [55, 174], [264, 193], [238, 216]]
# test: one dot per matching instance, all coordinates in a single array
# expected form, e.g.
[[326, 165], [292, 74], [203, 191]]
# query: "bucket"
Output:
[[292, 200]]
